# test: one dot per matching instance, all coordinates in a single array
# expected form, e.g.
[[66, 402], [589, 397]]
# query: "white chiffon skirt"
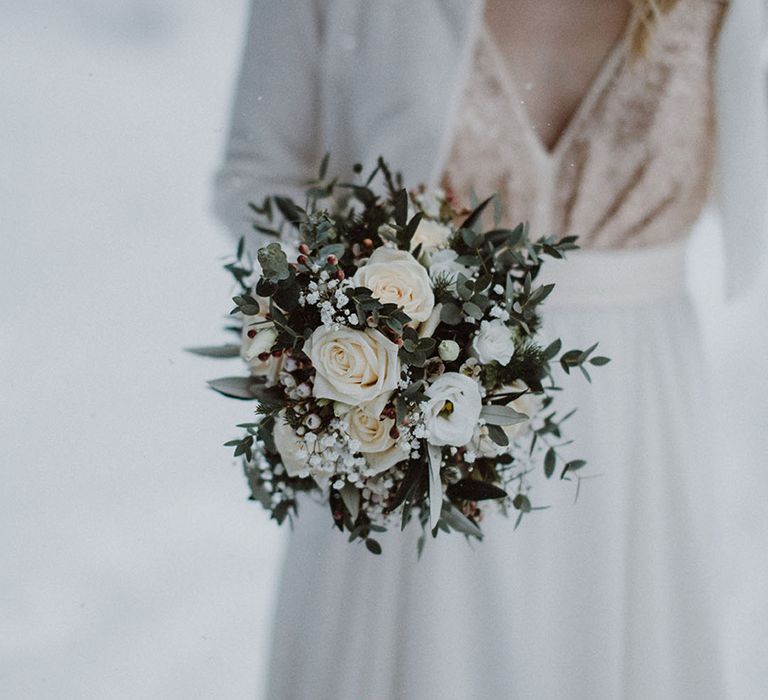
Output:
[[608, 597]]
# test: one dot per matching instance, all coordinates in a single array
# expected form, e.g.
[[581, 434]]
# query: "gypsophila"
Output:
[[385, 417]]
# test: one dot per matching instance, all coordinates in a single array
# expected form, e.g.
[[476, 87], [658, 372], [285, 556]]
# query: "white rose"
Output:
[[443, 264], [379, 448], [264, 335], [452, 410], [493, 342], [430, 234], [353, 366], [394, 276], [529, 404]]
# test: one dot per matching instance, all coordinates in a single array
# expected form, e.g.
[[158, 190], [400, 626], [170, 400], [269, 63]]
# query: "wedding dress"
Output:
[[607, 597]]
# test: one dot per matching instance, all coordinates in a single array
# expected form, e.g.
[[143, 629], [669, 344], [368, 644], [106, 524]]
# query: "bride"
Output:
[[602, 119]]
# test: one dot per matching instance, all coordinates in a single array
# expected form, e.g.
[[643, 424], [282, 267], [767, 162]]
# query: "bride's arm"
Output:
[[273, 144], [743, 143]]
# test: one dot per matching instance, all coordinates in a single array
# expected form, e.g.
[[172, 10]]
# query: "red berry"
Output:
[[264, 356], [394, 433], [251, 333], [340, 274], [368, 243]]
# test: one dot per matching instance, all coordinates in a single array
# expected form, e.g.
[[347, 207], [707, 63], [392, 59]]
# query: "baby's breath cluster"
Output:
[[394, 359]]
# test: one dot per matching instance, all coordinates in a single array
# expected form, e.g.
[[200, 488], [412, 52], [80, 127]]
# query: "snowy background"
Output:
[[131, 563]]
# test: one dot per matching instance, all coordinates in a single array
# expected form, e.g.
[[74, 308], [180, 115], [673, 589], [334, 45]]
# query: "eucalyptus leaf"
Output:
[[350, 494], [235, 387], [229, 350], [549, 462], [502, 415], [497, 434], [273, 261], [456, 520]]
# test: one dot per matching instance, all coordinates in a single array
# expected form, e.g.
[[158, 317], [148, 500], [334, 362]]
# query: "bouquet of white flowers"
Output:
[[394, 360]]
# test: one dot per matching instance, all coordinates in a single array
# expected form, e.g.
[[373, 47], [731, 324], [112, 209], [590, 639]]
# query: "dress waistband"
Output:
[[616, 277]]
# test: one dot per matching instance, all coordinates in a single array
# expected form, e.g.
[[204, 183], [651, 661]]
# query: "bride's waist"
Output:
[[616, 277]]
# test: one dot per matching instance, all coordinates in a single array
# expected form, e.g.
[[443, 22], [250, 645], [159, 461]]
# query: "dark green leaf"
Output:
[[549, 462], [522, 503], [497, 434], [474, 490], [401, 208], [451, 314], [552, 349], [474, 216]]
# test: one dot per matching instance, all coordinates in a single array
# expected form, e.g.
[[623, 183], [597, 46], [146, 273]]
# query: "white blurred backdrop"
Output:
[[131, 563]]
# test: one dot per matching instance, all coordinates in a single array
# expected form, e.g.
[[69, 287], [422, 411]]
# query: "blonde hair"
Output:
[[645, 14]]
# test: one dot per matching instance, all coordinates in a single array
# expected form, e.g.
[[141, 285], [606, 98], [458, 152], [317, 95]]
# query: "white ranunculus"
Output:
[[443, 264], [394, 276], [261, 342], [430, 234], [493, 342], [292, 448], [452, 410], [353, 366], [379, 448]]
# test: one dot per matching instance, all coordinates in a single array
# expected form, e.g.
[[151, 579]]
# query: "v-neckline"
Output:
[[604, 73]]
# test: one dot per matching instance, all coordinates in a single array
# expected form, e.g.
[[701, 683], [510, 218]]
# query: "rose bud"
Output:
[[332, 260], [368, 243], [302, 259], [304, 248], [340, 274], [448, 350]]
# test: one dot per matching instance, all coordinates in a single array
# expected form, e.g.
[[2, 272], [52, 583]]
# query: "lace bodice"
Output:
[[632, 167]]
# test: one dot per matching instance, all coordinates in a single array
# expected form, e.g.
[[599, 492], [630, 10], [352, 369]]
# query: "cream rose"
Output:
[[394, 276], [353, 366], [493, 342], [379, 448], [452, 410], [430, 235]]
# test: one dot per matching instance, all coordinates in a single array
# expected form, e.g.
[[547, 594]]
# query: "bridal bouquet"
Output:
[[393, 356]]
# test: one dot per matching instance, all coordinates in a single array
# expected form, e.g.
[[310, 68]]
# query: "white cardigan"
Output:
[[363, 79]]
